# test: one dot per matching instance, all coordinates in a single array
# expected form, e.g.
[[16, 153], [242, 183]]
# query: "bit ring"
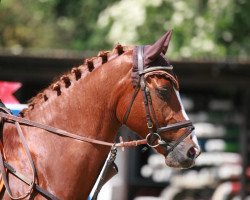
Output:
[[148, 137]]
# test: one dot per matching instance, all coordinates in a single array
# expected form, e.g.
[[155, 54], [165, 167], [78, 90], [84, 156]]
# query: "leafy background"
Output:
[[207, 29]]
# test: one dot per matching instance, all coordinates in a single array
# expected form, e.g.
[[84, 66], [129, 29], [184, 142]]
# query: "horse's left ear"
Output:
[[160, 46]]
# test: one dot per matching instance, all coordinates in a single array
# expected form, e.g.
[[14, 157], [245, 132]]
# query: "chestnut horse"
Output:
[[92, 101]]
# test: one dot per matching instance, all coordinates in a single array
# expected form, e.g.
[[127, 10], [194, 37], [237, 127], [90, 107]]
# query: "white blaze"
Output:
[[194, 138]]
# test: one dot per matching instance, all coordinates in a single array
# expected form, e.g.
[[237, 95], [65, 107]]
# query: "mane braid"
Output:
[[104, 56], [76, 72], [66, 80], [57, 88], [90, 65]]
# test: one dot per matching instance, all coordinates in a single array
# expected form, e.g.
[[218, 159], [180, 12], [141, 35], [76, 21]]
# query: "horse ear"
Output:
[[160, 46]]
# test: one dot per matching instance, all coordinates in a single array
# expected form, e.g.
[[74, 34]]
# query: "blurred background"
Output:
[[210, 51]]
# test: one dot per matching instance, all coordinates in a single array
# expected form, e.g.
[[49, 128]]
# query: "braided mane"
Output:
[[75, 74]]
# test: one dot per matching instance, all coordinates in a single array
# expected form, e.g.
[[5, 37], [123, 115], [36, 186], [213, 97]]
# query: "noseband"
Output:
[[154, 129]]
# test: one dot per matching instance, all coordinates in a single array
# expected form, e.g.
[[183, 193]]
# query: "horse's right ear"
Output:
[[160, 46]]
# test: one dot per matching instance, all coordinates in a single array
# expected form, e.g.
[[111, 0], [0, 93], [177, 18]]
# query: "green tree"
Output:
[[25, 24], [51, 24], [202, 28]]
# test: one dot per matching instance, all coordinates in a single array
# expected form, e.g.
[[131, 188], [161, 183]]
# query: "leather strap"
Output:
[[175, 126], [144, 88], [26, 149], [125, 118], [151, 69], [170, 147], [42, 191], [61, 132]]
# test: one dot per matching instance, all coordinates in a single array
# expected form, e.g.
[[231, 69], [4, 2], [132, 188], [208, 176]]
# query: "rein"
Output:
[[57, 131]]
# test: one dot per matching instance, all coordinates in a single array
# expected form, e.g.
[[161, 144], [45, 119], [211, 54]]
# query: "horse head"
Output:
[[157, 112]]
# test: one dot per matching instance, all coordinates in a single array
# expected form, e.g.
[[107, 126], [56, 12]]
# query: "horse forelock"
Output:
[[76, 73]]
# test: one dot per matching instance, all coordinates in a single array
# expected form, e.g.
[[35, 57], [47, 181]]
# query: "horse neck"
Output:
[[87, 107]]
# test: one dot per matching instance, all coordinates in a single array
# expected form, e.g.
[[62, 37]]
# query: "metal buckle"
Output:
[[149, 137], [150, 125]]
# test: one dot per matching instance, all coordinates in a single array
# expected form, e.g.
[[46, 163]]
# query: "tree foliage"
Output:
[[202, 28]]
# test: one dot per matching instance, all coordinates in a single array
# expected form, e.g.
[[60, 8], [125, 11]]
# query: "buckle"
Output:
[[150, 125]]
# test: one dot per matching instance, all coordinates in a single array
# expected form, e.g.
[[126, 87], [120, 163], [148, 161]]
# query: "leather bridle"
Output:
[[154, 129]]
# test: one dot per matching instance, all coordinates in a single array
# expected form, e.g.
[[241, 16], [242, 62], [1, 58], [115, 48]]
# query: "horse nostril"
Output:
[[192, 152]]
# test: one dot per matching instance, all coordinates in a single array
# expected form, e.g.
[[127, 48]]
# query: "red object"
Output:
[[7, 89], [235, 187]]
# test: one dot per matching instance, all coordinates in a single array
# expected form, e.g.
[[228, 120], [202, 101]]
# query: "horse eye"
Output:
[[163, 93]]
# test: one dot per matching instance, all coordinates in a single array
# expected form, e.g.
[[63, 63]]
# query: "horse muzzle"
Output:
[[184, 155]]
